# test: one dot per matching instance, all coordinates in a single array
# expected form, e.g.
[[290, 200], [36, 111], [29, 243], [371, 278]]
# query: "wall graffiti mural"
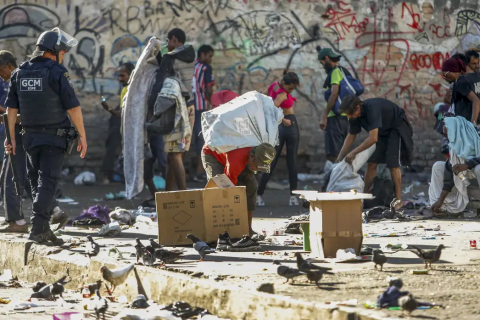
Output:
[[396, 48]]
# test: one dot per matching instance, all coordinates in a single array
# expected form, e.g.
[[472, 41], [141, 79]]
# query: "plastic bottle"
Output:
[[85, 297]]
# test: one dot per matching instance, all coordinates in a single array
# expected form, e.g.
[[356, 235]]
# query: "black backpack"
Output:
[[383, 190]]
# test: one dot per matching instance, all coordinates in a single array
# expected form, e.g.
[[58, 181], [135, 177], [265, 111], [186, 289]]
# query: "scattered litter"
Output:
[[159, 182], [422, 271], [6, 276], [117, 196], [346, 254], [122, 216], [115, 253], [4, 301], [86, 178], [95, 215], [73, 203], [428, 238], [141, 220], [65, 200], [112, 229]]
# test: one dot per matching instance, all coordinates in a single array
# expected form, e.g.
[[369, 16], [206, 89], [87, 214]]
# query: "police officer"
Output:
[[41, 91]]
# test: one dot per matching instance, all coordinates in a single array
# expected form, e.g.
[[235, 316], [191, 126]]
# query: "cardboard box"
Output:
[[335, 221], [204, 212]]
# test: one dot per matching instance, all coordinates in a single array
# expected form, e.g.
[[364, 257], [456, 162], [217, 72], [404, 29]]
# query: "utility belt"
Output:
[[70, 134]]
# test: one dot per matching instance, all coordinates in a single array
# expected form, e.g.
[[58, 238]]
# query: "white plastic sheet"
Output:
[[344, 176], [246, 121]]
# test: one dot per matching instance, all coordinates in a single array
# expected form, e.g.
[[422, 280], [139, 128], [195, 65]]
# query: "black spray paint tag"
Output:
[[31, 84]]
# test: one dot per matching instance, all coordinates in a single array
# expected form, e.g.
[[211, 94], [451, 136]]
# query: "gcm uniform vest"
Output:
[[39, 103]]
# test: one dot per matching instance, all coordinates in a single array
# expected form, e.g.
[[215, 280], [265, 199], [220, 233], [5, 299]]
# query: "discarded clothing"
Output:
[[96, 212], [389, 298], [463, 137]]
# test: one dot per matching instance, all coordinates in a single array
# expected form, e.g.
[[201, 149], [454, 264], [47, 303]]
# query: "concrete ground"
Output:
[[452, 283]]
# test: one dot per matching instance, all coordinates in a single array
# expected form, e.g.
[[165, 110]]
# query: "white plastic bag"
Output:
[[122, 216], [246, 121], [112, 229], [85, 178], [344, 176]]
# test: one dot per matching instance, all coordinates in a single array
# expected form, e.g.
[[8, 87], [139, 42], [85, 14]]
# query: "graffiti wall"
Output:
[[395, 47]]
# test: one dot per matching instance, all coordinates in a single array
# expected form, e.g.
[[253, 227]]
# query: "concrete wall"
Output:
[[396, 48]]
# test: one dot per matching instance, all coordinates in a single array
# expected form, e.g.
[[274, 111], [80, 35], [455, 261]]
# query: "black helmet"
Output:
[[56, 40]]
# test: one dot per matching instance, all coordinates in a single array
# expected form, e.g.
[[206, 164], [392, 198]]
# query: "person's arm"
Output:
[[72, 106], [448, 185], [476, 106], [12, 118], [349, 140], [76, 117], [2, 109], [447, 98], [209, 82], [280, 98], [370, 141]]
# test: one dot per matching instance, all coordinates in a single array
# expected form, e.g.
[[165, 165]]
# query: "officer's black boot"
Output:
[[43, 234]]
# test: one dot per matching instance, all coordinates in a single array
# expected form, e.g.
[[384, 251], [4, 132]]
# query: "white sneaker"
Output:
[[293, 201], [260, 202]]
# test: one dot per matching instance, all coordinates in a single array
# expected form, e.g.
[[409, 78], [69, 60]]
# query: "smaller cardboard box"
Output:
[[335, 221], [203, 212]]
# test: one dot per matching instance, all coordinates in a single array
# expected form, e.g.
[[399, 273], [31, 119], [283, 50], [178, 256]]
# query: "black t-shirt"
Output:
[[464, 85], [377, 113]]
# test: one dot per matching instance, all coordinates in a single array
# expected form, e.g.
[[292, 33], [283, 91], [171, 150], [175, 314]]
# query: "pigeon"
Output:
[[100, 305], [315, 276], [408, 303], [139, 249], [168, 256], [116, 277], [94, 286], [305, 265], [379, 258], [39, 285], [202, 248], [287, 272], [58, 287], [92, 248], [155, 244], [429, 256], [148, 258], [44, 293]]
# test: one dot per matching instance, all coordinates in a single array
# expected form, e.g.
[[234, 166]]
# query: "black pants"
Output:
[[337, 131], [112, 145], [291, 137], [44, 168]]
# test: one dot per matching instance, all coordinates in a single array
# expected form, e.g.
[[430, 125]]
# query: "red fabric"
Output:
[[234, 161], [287, 104], [221, 97]]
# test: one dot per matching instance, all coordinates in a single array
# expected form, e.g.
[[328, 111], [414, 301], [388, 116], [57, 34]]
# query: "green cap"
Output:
[[264, 155], [327, 52]]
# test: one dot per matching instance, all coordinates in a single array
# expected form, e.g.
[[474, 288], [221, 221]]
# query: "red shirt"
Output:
[[234, 161]]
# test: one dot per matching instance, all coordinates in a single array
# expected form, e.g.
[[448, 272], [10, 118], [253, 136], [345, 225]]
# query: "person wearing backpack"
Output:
[[388, 128], [339, 83]]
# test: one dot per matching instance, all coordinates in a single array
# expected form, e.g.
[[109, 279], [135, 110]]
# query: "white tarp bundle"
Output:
[[246, 121], [344, 176]]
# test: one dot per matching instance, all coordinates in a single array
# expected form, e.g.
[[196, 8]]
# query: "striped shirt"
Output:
[[202, 78]]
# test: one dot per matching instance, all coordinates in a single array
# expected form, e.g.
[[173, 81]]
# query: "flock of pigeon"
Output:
[[149, 254]]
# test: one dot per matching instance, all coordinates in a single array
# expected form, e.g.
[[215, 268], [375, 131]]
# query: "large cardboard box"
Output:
[[335, 221], [204, 212]]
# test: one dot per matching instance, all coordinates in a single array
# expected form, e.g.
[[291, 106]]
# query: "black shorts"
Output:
[[388, 150], [337, 131]]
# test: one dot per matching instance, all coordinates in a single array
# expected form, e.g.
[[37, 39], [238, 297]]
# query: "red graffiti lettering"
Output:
[[426, 61], [441, 31], [415, 23], [344, 21]]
